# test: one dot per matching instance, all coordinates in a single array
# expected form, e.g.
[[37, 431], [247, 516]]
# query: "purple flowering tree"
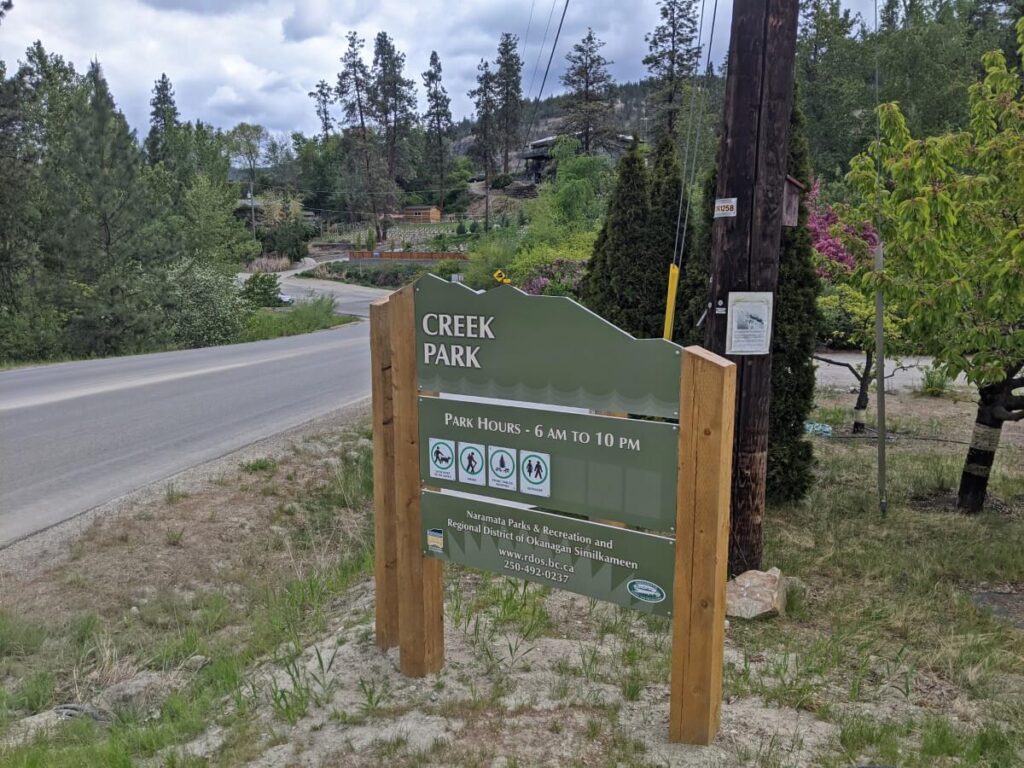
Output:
[[847, 305]]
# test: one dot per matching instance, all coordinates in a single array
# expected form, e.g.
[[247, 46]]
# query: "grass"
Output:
[[268, 615], [882, 644], [304, 317]]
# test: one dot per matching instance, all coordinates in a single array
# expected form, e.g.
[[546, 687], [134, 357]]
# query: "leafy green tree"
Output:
[[208, 307], [588, 105], [619, 285], [163, 120], [508, 81], [391, 98], [210, 232], [672, 59], [794, 327], [951, 213], [438, 122]]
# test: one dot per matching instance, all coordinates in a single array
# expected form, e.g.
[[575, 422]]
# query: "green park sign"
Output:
[[618, 565], [540, 349], [593, 466], [525, 436]]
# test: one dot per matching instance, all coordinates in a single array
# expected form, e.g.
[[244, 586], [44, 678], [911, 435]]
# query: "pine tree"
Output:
[[438, 122], [323, 97], [589, 104], [391, 98], [163, 119], [616, 284], [353, 95], [794, 328], [485, 99], [108, 279], [509, 85], [673, 57], [5, 7]]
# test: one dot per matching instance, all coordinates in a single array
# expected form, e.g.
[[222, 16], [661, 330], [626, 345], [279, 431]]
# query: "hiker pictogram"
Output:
[[471, 464]]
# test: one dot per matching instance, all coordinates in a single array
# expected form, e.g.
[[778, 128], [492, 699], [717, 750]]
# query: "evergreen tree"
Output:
[[163, 120], [353, 95], [617, 282], [673, 57], [694, 285], [509, 84], [438, 122], [5, 7], [323, 97], [666, 184], [588, 105], [108, 284], [485, 99], [391, 98], [794, 330]]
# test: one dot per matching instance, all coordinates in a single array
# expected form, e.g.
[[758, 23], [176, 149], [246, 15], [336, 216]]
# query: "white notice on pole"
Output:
[[749, 323], [725, 207]]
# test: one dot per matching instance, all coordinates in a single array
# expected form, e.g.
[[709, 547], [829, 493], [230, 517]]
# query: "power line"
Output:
[[547, 69], [529, 23], [540, 51]]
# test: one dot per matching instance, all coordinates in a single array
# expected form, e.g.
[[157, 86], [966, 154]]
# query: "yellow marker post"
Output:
[[499, 275], [670, 302]]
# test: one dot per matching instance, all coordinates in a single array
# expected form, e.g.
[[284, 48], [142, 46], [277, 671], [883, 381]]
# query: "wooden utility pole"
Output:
[[745, 246]]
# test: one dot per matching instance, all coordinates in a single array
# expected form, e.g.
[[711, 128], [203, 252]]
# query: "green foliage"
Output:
[[262, 289], [501, 181], [790, 454], [210, 233], [210, 310], [625, 283], [304, 317], [385, 275], [461, 228], [289, 238], [952, 217], [696, 269]]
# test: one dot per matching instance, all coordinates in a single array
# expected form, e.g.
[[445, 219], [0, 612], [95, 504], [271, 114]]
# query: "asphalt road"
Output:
[[76, 435]]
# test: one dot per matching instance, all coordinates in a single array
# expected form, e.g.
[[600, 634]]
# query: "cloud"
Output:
[[309, 18], [203, 7], [255, 60]]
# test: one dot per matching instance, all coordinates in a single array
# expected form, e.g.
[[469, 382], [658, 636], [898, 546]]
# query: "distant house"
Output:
[[422, 214]]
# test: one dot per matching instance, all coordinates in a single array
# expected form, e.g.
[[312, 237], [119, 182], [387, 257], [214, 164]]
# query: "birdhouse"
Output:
[[791, 202]]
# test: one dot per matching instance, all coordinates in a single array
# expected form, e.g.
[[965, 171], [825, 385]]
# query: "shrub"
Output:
[[262, 290], [447, 267], [377, 275], [305, 317], [288, 239], [474, 226], [501, 181], [935, 382], [269, 264], [210, 309], [461, 229]]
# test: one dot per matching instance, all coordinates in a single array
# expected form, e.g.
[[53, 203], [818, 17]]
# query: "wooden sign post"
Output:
[[632, 511]]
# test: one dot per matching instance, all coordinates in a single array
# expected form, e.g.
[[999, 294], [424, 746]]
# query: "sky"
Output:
[[256, 60]]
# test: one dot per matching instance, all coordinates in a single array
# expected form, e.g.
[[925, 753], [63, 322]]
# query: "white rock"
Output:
[[756, 594]]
